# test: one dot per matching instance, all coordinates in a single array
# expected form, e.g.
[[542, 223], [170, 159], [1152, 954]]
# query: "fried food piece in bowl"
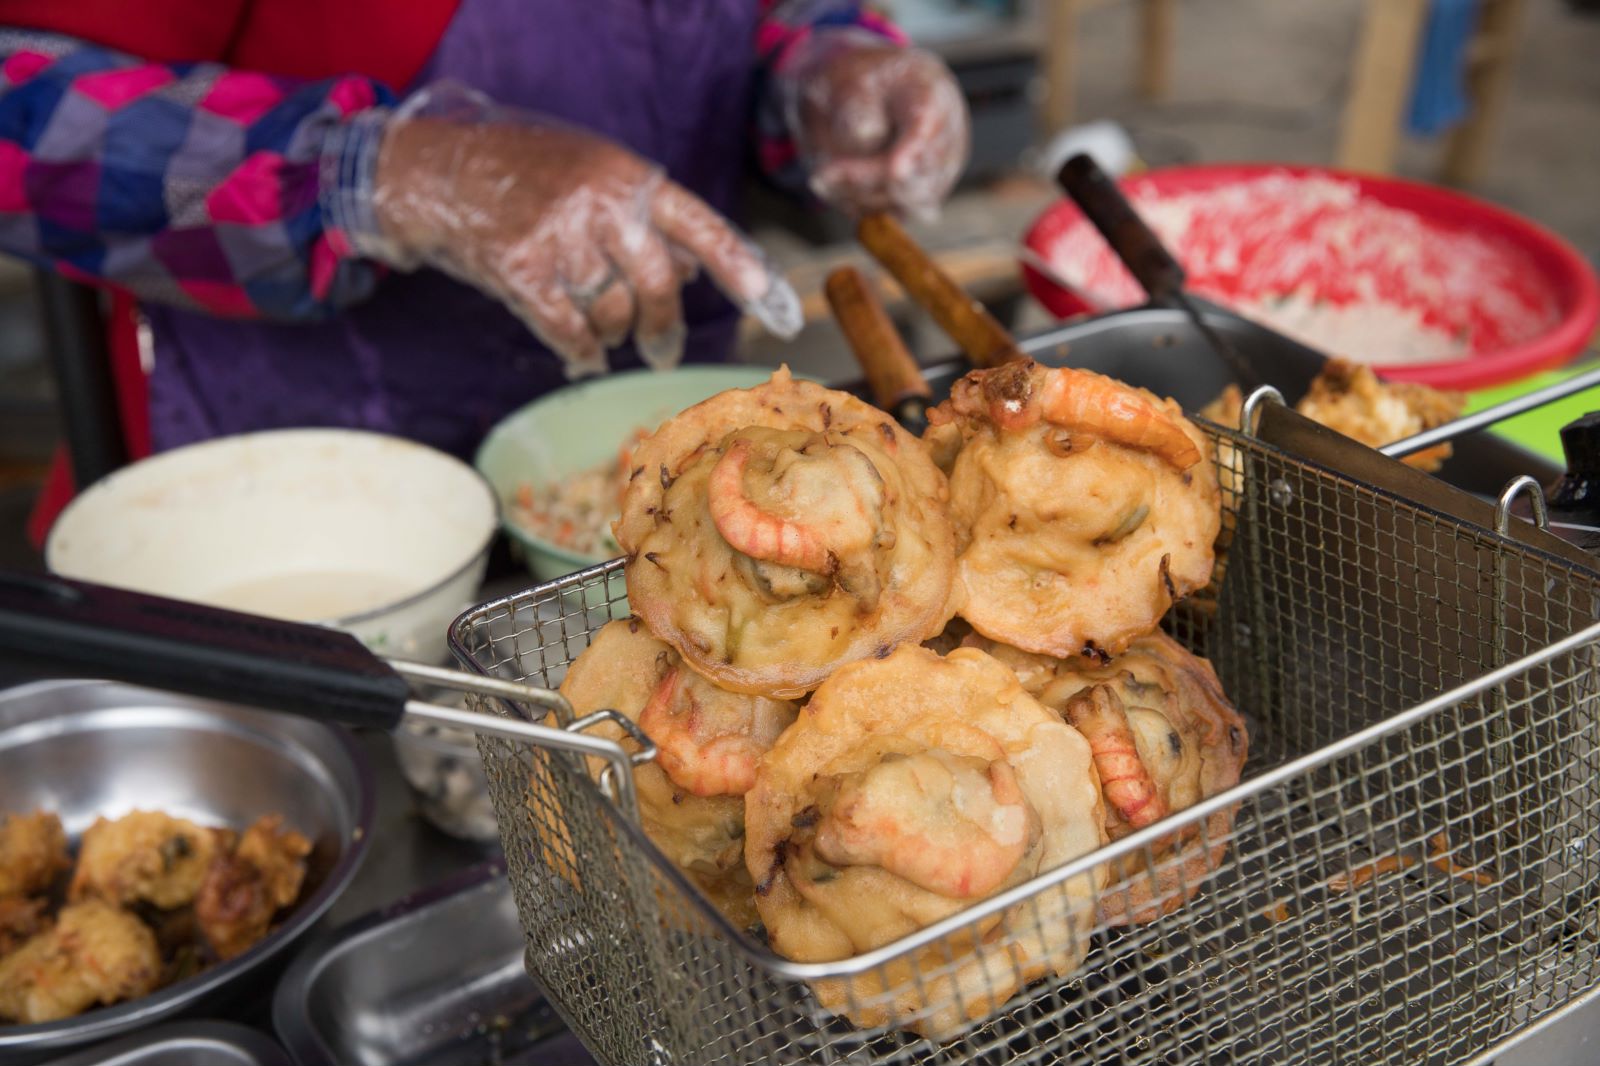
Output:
[[95, 953], [1350, 398], [33, 853], [774, 533], [1084, 508], [691, 796], [909, 789], [145, 857], [20, 918], [243, 891], [1164, 737]]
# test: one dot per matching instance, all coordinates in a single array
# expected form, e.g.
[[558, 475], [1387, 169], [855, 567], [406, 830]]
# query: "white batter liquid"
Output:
[[312, 596]]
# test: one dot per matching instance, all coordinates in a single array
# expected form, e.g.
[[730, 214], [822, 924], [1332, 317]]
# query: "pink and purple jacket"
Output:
[[217, 197]]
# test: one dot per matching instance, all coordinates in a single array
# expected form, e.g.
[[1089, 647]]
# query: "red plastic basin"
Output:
[[1513, 296]]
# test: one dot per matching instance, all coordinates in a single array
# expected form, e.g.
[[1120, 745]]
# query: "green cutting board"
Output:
[[1539, 431]]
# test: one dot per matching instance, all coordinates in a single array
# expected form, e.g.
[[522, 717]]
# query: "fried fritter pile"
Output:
[[152, 899], [880, 696]]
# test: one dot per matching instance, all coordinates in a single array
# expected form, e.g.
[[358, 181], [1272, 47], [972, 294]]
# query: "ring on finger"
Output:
[[585, 295]]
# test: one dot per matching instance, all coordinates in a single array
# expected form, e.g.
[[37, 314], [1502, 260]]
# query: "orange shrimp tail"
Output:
[[1079, 399], [751, 531], [1097, 713]]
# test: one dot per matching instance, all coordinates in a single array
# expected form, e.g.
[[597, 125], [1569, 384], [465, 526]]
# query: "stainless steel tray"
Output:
[[188, 1044], [437, 979]]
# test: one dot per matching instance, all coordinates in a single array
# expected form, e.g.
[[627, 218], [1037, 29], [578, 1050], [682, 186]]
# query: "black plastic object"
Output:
[[1141, 251], [58, 628], [1574, 500], [76, 341]]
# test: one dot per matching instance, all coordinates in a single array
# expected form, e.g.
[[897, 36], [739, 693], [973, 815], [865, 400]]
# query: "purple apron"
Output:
[[427, 357]]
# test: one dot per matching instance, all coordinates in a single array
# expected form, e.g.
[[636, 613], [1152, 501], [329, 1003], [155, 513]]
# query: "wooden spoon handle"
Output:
[[985, 340], [892, 375]]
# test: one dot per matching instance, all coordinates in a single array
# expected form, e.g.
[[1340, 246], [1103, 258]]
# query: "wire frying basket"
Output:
[[1412, 863]]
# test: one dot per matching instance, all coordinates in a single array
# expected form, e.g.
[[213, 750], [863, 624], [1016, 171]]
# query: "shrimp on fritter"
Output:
[[33, 853], [691, 796], [837, 506], [1084, 508], [909, 788], [1097, 713], [710, 747], [775, 533], [1016, 396], [1165, 737], [955, 825]]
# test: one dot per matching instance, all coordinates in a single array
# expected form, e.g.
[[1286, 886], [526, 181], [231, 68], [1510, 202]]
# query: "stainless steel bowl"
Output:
[[86, 749]]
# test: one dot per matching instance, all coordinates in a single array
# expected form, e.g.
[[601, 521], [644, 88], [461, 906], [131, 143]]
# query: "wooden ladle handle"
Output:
[[892, 374], [985, 341]]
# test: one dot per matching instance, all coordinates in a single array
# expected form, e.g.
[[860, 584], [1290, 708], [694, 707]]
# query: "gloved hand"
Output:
[[880, 127], [584, 240]]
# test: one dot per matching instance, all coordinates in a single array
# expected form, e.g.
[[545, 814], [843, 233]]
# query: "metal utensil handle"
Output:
[[1489, 415], [1141, 251], [57, 627], [893, 376], [51, 626]]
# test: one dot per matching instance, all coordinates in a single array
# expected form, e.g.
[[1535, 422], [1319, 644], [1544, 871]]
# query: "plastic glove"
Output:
[[584, 240], [880, 127]]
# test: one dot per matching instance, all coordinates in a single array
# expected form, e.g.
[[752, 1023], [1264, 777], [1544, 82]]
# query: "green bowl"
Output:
[[580, 427]]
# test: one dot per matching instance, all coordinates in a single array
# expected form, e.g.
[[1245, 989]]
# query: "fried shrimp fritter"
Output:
[[1084, 508], [1164, 737], [242, 892], [33, 853], [94, 954], [144, 856], [908, 789], [1350, 398], [774, 533], [691, 797]]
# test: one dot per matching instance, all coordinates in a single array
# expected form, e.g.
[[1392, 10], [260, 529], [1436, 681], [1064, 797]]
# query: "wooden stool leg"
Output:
[[1384, 67], [1488, 84], [1060, 64], [1156, 22]]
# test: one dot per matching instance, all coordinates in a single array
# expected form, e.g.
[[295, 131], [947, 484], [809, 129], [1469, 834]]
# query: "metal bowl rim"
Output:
[[104, 1022]]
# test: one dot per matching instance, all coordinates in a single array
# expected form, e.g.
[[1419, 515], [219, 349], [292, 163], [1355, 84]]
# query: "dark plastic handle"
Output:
[[1102, 203], [53, 627]]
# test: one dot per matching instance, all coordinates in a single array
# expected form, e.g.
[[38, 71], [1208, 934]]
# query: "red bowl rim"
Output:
[[1577, 287]]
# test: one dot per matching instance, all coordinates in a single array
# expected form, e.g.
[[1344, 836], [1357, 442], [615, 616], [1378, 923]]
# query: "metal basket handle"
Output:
[[50, 626], [1514, 488], [616, 779]]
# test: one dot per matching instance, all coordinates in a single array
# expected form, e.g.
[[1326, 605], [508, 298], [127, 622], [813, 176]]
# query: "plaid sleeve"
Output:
[[185, 184], [784, 25]]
